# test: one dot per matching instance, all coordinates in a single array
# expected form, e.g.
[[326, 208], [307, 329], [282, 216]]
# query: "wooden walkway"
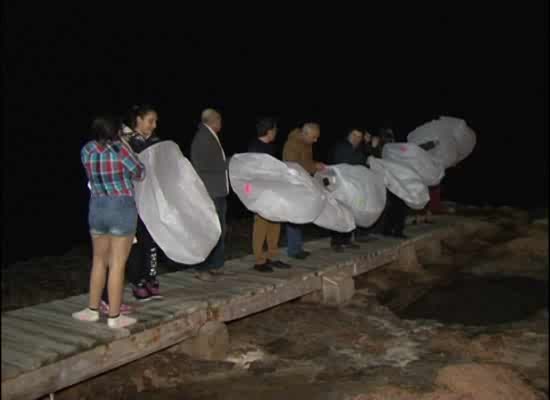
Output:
[[45, 350]]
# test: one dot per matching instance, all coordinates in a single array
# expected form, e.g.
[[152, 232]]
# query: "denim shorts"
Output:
[[112, 215]]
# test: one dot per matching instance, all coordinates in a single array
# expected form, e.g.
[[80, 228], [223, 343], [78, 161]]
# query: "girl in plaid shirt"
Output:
[[111, 167]]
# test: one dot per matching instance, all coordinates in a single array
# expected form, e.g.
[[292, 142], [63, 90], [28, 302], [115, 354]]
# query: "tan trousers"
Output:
[[263, 231]]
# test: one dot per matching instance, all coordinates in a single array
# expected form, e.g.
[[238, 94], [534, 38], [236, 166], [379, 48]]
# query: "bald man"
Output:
[[208, 159]]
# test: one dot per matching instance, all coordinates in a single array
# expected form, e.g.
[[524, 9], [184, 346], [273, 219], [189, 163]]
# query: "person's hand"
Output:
[[319, 166], [375, 141]]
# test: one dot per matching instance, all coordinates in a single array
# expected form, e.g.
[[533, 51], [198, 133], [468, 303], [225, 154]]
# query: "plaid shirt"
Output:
[[111, 168]]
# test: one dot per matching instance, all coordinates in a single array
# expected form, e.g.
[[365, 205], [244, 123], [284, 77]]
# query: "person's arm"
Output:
[[132, 163], [310, 165], [85, 154]]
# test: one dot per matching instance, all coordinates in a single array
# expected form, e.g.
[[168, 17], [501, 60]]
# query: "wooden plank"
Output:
[[263, 278], [30, 349], [98, 331], [199, 294], [13, 333], [177, 306], [252, 284], [81, 300], [78, 368], [253, 304], [54, 333], [177, 280], [20, 360], [10, 370]]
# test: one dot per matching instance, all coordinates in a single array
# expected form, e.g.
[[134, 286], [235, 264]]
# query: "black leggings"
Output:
[[340, 238], [394, 216], [143, 259]]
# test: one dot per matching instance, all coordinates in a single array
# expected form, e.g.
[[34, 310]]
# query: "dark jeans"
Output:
[[340, 238], [295, 239], [216, 258], [394, 216], [143, 259]]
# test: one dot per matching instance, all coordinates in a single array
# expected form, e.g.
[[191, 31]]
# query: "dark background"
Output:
[[66, 63]]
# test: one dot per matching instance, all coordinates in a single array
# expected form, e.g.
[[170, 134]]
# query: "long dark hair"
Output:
[[137, 111], [105, 129]]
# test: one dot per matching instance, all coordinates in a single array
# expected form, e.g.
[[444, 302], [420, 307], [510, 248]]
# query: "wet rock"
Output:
[[536, 246], [485, 382]]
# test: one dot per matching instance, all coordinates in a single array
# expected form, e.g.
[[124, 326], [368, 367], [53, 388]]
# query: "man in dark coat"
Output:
[[208, 159], [348, 151]]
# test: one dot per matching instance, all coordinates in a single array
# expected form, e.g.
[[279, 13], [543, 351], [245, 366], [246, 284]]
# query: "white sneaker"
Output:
[[86, 315], [122, 321]]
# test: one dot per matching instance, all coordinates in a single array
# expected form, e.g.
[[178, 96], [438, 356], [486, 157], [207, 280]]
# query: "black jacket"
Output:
[[207, 159], [257, 146], [345, 153], [139, 143], [373, 151]]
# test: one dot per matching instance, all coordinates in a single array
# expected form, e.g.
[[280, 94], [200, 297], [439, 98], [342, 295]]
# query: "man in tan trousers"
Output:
[[264, 230]]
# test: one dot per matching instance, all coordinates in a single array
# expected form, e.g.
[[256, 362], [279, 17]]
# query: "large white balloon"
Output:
[[174, 205]]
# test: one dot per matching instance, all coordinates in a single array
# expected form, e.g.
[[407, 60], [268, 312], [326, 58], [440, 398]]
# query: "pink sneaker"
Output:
[[124, 308], [153, 287]]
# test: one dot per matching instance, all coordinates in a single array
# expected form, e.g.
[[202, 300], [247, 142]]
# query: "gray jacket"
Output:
[[207, 159]]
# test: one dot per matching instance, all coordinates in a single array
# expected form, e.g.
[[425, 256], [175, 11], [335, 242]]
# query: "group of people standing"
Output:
[[119, 237]]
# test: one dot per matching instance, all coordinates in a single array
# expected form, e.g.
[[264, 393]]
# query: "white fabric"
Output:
[[174, 205], [358, 188], [456, 139], [465, 137], [430, 169], [278, 191], [402, 181], [446, 152], [335, 215]]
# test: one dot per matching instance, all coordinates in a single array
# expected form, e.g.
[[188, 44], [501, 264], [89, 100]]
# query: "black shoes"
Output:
[[279, 264], [263, 267], [301, 255], [269, 265]]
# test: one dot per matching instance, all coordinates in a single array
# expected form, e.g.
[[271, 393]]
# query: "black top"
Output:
[[345, 153], [257, 146], [138, 143], [373, 151]]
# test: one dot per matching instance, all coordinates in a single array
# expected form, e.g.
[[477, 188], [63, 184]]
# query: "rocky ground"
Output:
[[477, 330]]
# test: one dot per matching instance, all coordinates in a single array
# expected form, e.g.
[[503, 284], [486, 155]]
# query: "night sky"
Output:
[[343, 68]]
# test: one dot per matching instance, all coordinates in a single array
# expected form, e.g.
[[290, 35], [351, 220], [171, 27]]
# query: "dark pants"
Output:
[[394, 216], [216, 258], [340, 238], [143, 259], [295, 239]]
